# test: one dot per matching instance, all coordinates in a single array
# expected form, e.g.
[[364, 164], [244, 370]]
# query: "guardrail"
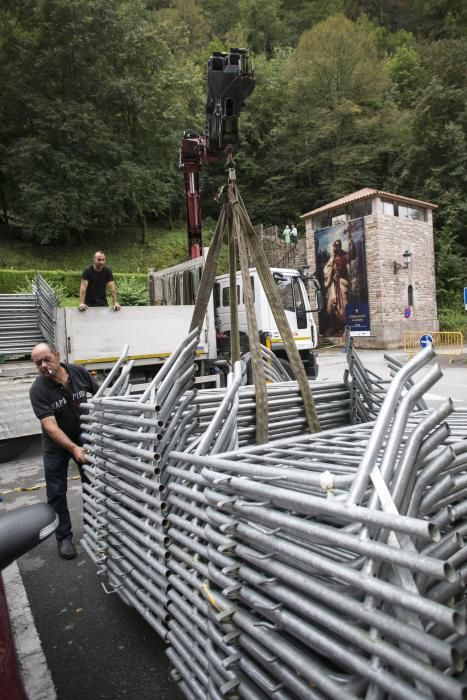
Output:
[[445, 342]]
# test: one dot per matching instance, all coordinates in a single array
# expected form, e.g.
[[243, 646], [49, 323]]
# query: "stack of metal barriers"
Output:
[[315, 566]]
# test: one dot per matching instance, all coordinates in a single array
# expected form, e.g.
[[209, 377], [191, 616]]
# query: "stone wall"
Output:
[[386, 239]]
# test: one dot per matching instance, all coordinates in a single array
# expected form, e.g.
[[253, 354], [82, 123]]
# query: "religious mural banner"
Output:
[[341, 270]]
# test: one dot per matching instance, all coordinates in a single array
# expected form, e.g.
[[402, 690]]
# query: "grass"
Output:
[[124, 251]]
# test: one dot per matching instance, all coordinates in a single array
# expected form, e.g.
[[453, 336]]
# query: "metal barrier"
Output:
[[318, 566], [445, 342], [27, 319], [19, 324]]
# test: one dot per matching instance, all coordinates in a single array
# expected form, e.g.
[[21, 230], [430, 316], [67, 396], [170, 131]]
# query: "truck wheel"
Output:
[[11, 448], [287, 366]]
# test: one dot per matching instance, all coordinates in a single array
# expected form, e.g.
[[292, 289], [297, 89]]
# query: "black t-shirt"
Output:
[[50, 398], [97, 284]]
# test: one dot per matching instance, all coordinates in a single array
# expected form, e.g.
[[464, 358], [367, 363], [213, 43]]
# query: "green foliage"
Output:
[[132, 291], [96, 93], [451, 269], [453, 320], [91, 131], [12, 281], [404, 67], [433, 166], [64, 283], [123, 248], [60, 291], [327, 126]]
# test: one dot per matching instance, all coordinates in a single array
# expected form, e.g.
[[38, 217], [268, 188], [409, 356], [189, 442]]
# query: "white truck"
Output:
[[95, 338]]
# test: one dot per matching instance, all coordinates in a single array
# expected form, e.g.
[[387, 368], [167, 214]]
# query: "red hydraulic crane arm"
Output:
[[192, 155]]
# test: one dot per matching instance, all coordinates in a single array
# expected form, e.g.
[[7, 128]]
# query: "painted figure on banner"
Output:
[[338, 281], [341, 268]]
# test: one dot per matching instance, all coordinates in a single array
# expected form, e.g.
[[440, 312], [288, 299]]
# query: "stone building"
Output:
[[396, 262]]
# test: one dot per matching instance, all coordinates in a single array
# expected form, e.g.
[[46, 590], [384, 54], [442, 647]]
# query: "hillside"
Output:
[[124, 250]]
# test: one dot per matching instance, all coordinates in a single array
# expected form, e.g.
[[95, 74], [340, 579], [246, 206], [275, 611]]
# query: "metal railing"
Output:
[[47, 307], [27, 319], [445, 342], [19, 324]]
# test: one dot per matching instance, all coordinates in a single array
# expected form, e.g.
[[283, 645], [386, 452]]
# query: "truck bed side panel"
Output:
[[97, 336], [16, 415]]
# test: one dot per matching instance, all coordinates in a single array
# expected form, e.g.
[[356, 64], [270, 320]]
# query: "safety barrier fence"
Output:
[[19, 327], [329, 565], [445, 342], [27, 319], [46, 306]]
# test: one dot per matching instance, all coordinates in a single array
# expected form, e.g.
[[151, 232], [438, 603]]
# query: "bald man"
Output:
[[95, 281], [56, 396]]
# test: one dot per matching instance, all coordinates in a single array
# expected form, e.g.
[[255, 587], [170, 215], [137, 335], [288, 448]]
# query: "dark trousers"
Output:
[[56, 479]]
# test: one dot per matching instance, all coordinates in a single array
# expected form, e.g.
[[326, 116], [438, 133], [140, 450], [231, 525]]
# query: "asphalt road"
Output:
[[95, 646]]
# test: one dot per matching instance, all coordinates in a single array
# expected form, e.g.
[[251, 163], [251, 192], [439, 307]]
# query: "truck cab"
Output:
[[297, 309]]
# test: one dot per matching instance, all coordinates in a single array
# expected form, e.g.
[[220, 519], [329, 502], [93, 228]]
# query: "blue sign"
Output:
[[357, 317], [426, 340], [407, 312], [465, 298]]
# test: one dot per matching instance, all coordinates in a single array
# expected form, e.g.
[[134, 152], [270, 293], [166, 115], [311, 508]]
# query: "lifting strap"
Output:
[[259, 377], [234, 328], [272, 295], [234, 221], [209, 272]]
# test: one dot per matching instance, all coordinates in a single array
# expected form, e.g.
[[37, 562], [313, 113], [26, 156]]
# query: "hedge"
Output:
[[12, 280]]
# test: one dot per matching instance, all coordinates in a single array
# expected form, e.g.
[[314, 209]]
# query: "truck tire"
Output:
[[11, 448], [288, 367]]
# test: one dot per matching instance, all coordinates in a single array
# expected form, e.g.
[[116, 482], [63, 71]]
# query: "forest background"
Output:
[[95, 94]]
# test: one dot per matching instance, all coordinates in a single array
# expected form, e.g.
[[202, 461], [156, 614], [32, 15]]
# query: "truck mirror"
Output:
[[319, 300]]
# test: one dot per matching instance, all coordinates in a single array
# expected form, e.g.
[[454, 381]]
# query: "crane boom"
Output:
[[230, 80]]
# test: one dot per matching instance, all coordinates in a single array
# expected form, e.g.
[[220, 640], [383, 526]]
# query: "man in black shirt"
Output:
[[56, 396], [94, 282]]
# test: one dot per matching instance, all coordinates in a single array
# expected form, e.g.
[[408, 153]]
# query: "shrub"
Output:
[[132, 291], [61, 293], [66, 283], [453, 320]]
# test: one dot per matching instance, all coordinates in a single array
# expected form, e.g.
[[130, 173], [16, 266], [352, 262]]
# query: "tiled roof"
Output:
[[367, 193]]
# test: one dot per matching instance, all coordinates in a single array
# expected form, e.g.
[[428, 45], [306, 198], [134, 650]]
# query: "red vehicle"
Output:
[[20, 530]]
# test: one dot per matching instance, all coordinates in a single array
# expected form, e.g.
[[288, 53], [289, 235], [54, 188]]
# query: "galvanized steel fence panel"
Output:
[[27, 319], [316, 566]]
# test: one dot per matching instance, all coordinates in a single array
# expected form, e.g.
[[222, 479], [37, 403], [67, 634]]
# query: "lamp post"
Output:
[[405, 265]]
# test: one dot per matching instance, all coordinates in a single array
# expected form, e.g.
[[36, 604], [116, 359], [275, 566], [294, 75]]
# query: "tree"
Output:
[[433, 166], [92, 112], [341, 126]]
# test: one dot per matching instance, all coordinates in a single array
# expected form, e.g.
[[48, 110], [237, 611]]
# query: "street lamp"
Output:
[[405, 265]]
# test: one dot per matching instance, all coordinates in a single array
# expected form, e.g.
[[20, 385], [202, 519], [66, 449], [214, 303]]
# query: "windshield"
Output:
[[284, 286]]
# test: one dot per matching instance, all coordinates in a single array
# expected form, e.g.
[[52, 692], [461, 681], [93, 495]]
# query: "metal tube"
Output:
[[302, 559], [358, 488], [324, 644], [308, 504], [322, 533], [287, 652]]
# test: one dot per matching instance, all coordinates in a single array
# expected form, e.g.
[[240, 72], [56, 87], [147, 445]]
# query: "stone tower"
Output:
[[383, 283]]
